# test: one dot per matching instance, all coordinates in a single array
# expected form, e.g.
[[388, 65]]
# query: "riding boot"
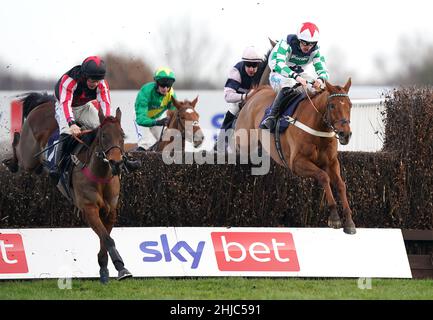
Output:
[[228, 120], [227, 123], [284, 96], [132, 165], [55, 172]]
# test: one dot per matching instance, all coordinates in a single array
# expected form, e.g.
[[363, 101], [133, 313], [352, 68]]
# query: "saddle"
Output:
[[289, 111], [72, 147]]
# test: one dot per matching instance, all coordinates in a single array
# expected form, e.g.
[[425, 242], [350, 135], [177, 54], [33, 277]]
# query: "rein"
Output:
[[300, 125], [102, 154], [180, 126], [325, 118]]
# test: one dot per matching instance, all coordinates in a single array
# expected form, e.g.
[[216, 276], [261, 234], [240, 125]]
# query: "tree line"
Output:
[[198, 63]]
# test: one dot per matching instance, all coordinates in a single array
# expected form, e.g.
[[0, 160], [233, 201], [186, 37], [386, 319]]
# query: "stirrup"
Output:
[[54, 175], [268, 123], [132, 165]]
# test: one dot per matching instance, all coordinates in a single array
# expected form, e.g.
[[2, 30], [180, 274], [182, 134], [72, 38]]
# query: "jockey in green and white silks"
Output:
[[153, 100], [287, 61]]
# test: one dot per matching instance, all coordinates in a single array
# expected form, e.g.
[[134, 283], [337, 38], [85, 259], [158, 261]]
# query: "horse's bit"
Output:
[[327, 117], [115, 166]]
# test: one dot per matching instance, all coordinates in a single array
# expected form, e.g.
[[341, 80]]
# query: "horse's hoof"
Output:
[[350, 230], [39, 169], [104, 275], [336, 224], [12, 167], [124, 274]]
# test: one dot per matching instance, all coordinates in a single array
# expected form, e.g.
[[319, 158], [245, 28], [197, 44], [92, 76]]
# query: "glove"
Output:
[[301, 80], [318, 83], [162, 122]]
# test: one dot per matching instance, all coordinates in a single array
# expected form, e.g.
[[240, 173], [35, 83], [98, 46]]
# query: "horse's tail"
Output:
[[33, 99]]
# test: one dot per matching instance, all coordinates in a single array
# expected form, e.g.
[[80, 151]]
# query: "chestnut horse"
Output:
[[95, 175], [184, 124], [309, 145]]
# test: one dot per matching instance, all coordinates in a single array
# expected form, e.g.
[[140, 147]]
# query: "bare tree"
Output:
[[336, 64], [11, 80], [193, 52], [126, 72], [415, 61]]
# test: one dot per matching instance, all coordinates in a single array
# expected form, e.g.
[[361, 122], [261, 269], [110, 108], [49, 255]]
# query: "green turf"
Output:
[[219, 288]]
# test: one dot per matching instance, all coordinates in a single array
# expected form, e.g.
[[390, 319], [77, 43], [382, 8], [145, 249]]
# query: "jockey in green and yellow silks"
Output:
[[152, 101]]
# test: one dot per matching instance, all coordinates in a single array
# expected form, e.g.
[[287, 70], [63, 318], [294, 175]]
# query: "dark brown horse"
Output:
[[309, 146], [95, 176], [184, 124]]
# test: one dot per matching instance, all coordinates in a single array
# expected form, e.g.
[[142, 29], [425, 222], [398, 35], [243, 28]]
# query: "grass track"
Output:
[[219, 288]]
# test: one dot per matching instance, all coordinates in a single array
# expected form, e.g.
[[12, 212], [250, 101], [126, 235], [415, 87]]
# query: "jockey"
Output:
[[287, 62], [153, 100], [242, 76], [75, 91]]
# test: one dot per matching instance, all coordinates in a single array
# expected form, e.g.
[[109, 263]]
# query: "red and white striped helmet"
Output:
[[308, 32]]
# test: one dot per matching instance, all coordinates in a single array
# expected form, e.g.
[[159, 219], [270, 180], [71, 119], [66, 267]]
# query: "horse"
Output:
[[184, 120], [38, 124], [95, 173], [309, 146]]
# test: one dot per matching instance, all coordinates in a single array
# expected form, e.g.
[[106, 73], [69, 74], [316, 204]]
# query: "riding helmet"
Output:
[[93, 68], [308, 32], [164, 74], [250, 55]]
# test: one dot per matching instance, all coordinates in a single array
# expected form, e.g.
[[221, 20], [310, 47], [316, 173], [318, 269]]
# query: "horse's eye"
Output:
[[331, 106]]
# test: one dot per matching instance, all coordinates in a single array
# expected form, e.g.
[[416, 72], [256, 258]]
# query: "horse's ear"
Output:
[[101, 115], [329, 86], [118, 114], [272, 42], [194, 102], [347, 85], [176, 103]]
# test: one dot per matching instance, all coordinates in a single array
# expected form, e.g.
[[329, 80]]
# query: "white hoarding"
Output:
[[185, 252]]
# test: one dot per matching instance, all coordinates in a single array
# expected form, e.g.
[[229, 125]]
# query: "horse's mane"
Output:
[[262, 67], [257, 88], [33, 99]]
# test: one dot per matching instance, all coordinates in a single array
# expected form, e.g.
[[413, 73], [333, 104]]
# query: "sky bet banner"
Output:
[[179, 252]]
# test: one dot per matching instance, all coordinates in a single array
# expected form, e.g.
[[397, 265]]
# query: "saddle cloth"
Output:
[[72, 147], [289, 111]]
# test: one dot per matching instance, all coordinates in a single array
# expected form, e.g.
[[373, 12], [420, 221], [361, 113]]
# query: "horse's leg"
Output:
[[91, 214], [12, 163], [109, 222], [334, 174], [104, 274], [304, 167]]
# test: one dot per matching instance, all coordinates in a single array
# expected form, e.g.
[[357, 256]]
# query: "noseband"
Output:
[[182, 126], [327, 115], [102, 154]]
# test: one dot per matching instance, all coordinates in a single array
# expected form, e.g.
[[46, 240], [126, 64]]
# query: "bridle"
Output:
[[115, 166], [181, 126], [327, 115]]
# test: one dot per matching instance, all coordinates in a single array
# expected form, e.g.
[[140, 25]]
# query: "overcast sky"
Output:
[[45, 38]]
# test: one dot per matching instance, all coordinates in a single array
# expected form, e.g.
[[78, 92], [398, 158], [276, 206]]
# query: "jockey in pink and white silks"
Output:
[[80, 92], [287, 62], [74, 92]]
